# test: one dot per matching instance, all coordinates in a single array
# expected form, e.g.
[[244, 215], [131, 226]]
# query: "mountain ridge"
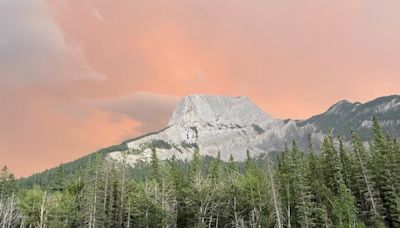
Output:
[[230, 126], [343, 115], [289, 124]]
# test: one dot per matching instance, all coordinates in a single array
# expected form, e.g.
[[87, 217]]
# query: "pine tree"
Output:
[[369, 202], [385, 179], [58, 182], [195, 167], [216, 168], [302, 191], [332, 166], [155, 165], [7, 183], [249, 160], [285, 180], [274, 201], [346, 162], [395, 163], [253, 195], [93, 213], [344, 209], [339, 195], [316, 179]]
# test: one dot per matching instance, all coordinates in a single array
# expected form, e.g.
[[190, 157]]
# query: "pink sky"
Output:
[[76, 76]]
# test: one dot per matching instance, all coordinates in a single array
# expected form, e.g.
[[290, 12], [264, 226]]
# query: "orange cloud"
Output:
[[277, 53], [293, 58]]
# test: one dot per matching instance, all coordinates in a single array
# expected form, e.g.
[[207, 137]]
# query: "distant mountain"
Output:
[[345, 115], [233, 125]]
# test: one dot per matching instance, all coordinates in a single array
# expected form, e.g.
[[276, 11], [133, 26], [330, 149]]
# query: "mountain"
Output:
[[212, 124], [345, 115], [233, 125]]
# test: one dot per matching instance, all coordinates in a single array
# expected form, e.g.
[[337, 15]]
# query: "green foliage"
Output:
[[342, 186], [160, 144], [7, 183]]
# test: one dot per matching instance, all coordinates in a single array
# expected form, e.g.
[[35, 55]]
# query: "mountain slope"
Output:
[[345, 115], [232, 125], [216, 124], [229, 125]]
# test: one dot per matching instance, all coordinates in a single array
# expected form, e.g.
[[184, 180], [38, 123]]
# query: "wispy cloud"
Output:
[[32, 47], [151, 110]]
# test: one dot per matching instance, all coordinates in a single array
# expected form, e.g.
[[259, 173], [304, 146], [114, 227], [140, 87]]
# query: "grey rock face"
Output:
[[232, 125], [198, 109], [215, 124]]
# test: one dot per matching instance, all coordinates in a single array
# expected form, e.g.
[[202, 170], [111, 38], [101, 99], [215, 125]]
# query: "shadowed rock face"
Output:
[[232, 125]]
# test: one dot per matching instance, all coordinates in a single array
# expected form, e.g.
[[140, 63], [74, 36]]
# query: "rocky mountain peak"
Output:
[[232, 125], [208, 109], [338, 107]]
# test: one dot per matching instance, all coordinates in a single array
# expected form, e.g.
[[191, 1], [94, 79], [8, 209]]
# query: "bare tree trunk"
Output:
[[95, 199], [275, 200], [11, 211], [235, 212], [147, 219], [42, 210], [90, 220], [288, 207], [22, 223], [128, 218], [106, 187], [367, 183], [217, 219], [210, 221], [122, 191]]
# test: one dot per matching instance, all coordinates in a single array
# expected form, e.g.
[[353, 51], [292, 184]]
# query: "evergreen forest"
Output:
[[342, 184]]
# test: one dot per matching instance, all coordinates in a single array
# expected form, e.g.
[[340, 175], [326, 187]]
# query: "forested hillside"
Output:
[[339, 186]]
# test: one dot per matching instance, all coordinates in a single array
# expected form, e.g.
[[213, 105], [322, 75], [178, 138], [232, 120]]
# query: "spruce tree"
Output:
[[346, 162], [316, 179], [369, 202], [58, 182], [155, 165], [302, 191], [7, 183], [332, 166], [385, 175]]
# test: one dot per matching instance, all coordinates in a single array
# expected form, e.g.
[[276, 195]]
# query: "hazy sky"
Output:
[[79, 75]]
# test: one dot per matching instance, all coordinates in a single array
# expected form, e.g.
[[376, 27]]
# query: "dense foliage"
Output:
[[353, 185]]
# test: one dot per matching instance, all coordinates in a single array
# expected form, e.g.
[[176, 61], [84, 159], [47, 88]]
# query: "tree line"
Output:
[[341, 185]]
